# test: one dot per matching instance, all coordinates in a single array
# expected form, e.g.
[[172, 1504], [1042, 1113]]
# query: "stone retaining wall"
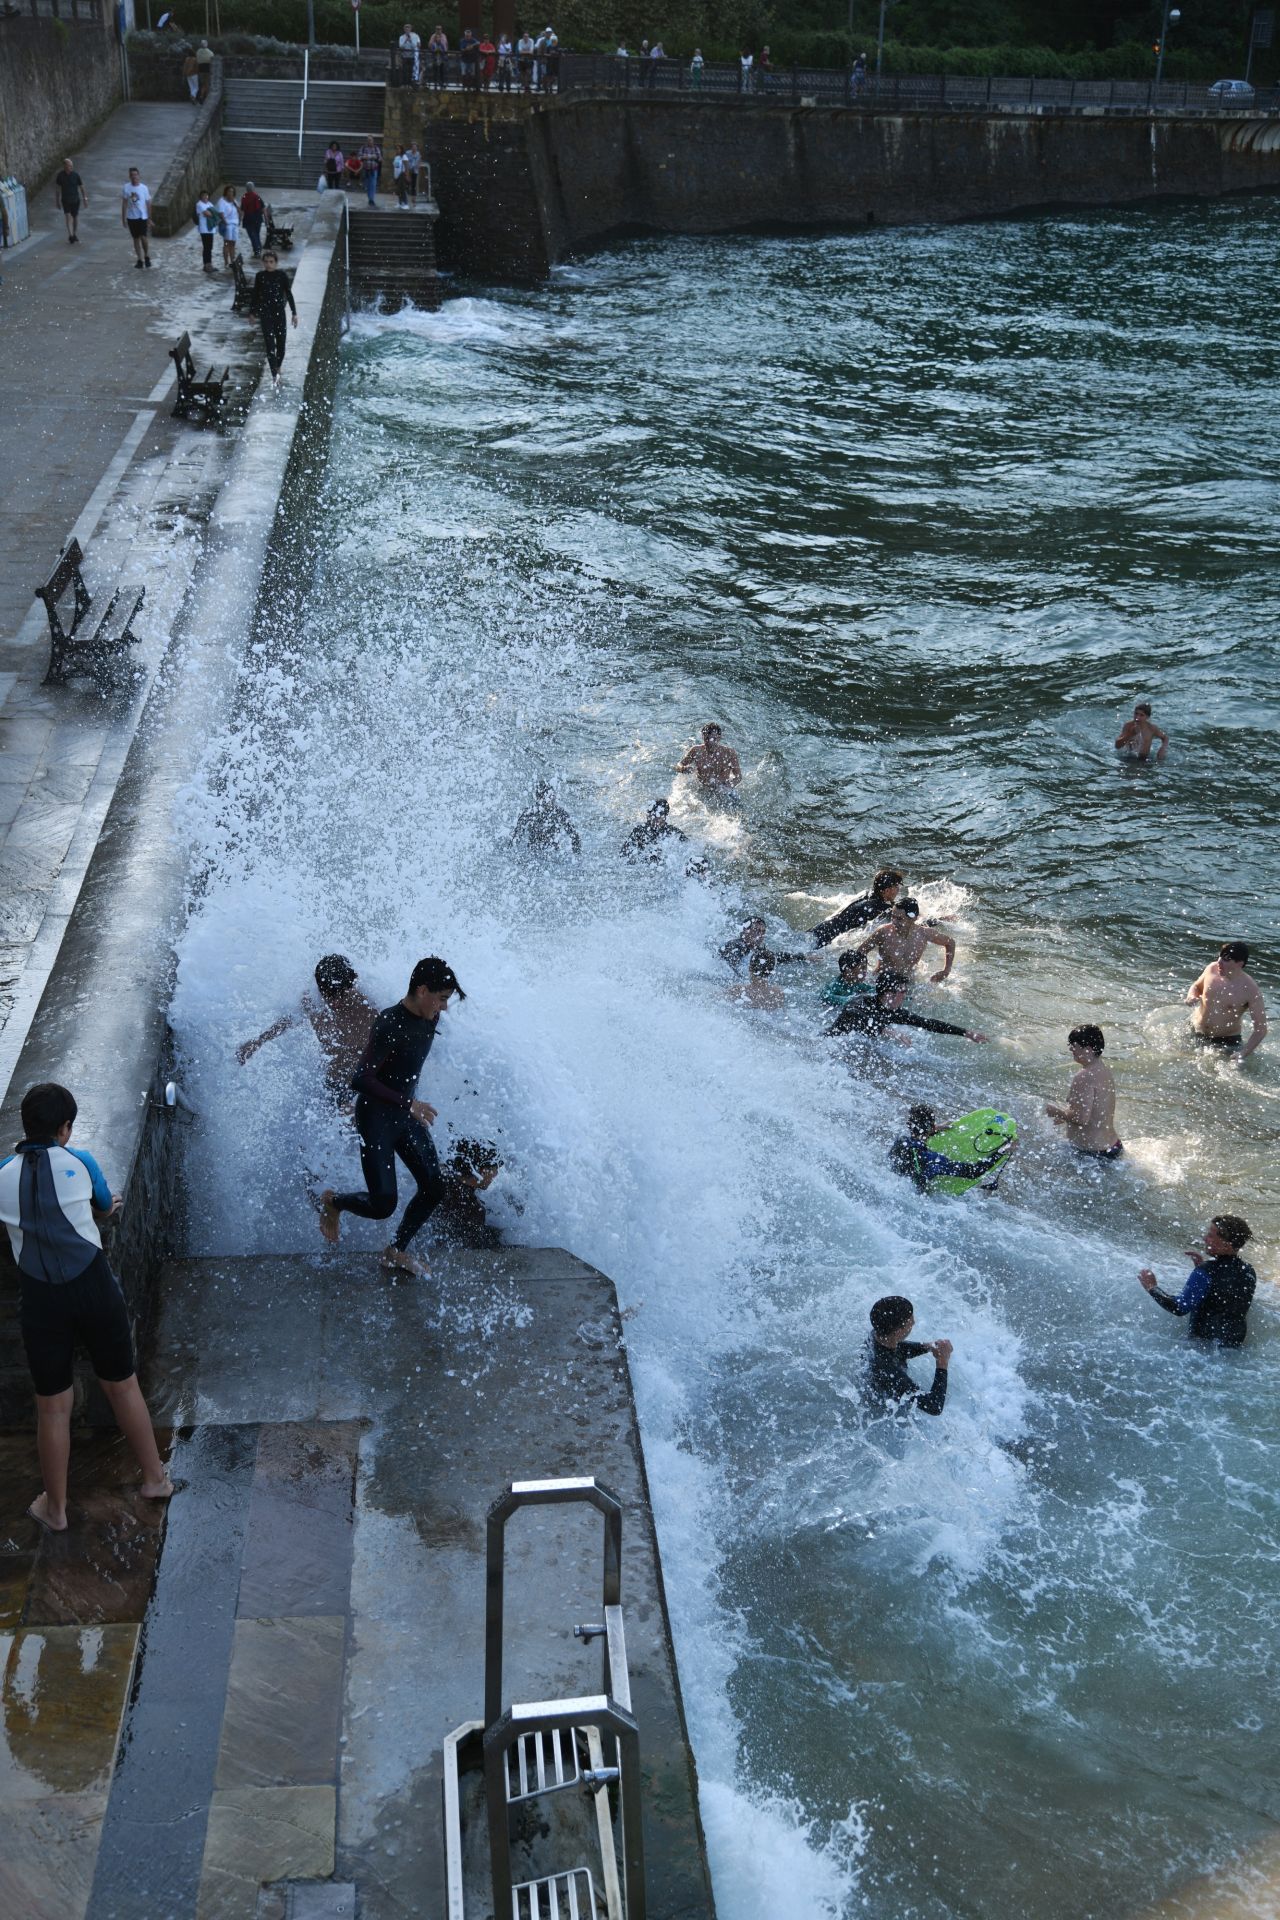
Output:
[[193, 166], [58, 82]]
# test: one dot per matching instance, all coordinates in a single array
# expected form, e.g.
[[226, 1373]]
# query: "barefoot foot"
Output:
[[162, 1489], [400, 1260], [330, 1218], [42, 1513]]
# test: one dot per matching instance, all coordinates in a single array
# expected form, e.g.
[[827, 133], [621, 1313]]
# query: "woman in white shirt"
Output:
[[206, 226], [229, 219]]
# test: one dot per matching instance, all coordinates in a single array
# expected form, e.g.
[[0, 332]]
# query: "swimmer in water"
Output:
[[871, 1015], [541, 827], [901, 941], [850, 981], [759, 989], [741, 950], [391, 1121], [886, 1384], [1089, 1113], [1136, 735], [1221, 997], [647, 841], [1219, 1291], [911, 1155], [340, 1019], [874, 905], [716, 765]]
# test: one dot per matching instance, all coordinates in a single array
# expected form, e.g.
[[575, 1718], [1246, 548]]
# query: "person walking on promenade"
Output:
[[69, 193], [371, 166], [228, 224], [1219, 1290], [391, 1121], [206, 227], [413, 170], [54, 1201], [204, 64], [1221, 997], [1089, 1114], [135, 214], [438, 56], [411, 55], [271, 295], [252, 212]]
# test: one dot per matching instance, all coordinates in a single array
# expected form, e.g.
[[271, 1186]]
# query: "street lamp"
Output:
[[880, 41], [1171, 16]]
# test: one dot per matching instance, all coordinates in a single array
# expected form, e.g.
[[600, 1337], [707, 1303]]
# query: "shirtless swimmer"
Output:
[[1221, 997]]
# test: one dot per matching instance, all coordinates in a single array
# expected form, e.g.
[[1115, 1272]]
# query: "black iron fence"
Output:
[[635, 78]]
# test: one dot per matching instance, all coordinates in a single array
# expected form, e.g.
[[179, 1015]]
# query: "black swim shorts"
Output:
[[88, 1311], [1224, 1042]]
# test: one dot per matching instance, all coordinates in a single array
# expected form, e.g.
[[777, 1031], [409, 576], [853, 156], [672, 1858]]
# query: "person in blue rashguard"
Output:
[[1219, 1290], [53, 1200]]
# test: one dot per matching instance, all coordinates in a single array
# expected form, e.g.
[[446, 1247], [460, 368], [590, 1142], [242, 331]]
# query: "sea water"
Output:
[[915, 516]]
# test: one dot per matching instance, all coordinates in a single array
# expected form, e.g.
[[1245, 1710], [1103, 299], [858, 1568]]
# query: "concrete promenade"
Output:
[[243, 1705], [90, 450]]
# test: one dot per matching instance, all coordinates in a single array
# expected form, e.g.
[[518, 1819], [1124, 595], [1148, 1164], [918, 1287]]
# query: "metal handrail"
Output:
[[302, 104], [541, 1493], [634, 77], [548, 1716]]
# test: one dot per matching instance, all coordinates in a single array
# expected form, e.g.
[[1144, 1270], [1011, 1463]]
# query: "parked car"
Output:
[[1238, 92]]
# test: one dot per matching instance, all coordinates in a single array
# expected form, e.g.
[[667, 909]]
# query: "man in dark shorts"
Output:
[[391, 1121], [1219, 1291], [135, 213], [886, 1384], [53, 1200], [68, 189]]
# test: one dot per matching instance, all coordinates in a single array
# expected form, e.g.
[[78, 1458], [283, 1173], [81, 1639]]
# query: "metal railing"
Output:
[[634, 78]]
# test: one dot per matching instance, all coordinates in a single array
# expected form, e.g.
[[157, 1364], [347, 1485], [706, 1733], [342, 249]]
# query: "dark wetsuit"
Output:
[[859, 913], [887, 1384], [540, 829], [1217, 1295], [737, 954], [648, 838], [922, 1165], [271, 295], [385, 1081], [865, 1015]]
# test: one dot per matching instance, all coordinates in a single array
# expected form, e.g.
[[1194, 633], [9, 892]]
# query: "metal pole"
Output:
[[357, 30], [311, 23], [880, 43], [1164, 34]]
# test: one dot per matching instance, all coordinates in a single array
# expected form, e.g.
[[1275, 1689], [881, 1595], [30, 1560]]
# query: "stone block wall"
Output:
[[193, 166], [519, 184], [58, 82]]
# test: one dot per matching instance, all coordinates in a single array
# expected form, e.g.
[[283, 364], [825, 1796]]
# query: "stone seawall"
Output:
[[58, 82], [193, 166], [521, 184]]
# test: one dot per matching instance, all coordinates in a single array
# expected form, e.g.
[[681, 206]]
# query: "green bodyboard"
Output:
[[972, 1137]]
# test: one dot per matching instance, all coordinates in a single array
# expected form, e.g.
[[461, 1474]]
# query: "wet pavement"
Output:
[[243, 1704]]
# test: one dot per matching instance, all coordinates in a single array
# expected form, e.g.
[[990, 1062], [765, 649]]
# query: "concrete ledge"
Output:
[[193, 166]]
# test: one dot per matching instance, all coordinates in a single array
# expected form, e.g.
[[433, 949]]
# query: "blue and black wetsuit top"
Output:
[[922, 1165], [1217, 1296], [887, 1384], [391, 1064], [48, 1195]]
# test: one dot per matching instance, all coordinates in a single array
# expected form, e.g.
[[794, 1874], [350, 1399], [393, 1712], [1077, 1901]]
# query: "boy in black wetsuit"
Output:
[[271, 294], [391, 1120], [862, 911], [739, 951], [886, 1382], [1219, 1291], [873, 1014]]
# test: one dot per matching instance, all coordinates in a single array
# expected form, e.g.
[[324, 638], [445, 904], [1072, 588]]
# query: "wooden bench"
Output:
[[195, 395], [243, 285], [70, 650], [281, 238]]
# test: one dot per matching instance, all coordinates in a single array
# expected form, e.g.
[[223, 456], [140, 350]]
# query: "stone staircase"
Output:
[[260, 127], [393, 257]]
